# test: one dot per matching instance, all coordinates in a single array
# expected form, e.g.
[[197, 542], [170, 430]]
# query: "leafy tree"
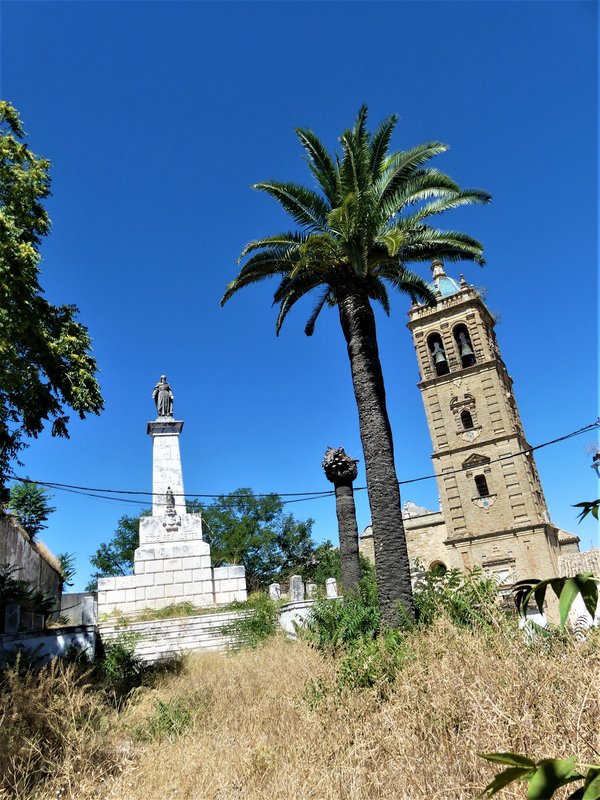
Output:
[[356, 235], [242, 529], [29, 502], [255, 531], [67, 566], [45, 361]]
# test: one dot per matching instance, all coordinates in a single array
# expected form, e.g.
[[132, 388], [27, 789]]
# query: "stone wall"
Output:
[[36, 564], [53, 643], [159, 639]]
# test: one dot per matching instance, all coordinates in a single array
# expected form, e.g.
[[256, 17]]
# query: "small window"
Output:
[[438, 569], [482, 487], [466, 419]]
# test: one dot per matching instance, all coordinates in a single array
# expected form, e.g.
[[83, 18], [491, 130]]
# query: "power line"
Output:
[[297, 497]]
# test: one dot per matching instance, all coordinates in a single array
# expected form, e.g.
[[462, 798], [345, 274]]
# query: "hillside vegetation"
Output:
[[287, 720]]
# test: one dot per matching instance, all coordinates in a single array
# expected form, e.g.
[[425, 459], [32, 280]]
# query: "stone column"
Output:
[[341, 470], [166, 465]]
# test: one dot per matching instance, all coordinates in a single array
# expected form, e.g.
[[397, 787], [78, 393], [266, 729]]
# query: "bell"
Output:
[[440, 361], [439, 356], [467, 355]]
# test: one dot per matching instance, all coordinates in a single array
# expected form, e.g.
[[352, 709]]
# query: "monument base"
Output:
[[171, 570]]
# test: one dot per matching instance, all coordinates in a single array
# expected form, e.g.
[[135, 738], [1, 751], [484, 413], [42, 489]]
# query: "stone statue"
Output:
[[163, 397], [170, 502]]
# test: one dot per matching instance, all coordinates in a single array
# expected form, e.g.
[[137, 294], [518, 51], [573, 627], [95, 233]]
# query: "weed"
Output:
[[173, 716], [255, 624]]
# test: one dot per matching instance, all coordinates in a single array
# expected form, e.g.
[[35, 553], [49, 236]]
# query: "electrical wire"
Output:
[[297, 497]]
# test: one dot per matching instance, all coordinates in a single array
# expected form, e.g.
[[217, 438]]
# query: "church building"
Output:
[[493, 511]]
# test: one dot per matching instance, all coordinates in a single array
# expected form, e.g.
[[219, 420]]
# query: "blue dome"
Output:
[[445, 286], [442, 285]]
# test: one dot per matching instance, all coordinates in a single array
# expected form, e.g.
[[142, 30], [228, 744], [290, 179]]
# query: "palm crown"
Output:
[[367, 223]]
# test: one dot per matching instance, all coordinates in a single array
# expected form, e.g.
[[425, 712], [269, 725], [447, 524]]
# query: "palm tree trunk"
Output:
[[348, 533], [391, 554]]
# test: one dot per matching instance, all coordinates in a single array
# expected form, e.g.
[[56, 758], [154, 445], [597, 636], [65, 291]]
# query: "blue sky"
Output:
[[159, 116]]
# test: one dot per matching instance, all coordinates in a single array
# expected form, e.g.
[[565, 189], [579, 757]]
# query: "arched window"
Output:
[[466, 419], [438, 568], [438, 354], [482, 487], [464, 345]]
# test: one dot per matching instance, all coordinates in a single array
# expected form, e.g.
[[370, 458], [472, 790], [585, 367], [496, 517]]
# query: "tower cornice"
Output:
[[466, 297]]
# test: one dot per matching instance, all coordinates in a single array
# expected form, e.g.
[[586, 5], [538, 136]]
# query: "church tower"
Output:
[[492, 500]]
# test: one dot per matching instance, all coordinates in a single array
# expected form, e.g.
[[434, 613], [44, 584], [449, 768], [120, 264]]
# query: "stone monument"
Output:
[[172, 563]]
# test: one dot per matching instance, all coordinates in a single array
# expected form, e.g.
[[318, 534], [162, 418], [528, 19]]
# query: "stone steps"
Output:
[[161, 638]]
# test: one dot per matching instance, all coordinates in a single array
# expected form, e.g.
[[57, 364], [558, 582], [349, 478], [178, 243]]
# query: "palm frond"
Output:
[[278, 239], [377, 291], [380, 143], [301, 279], [304, 205], [465, 197], [400, 166], [320, 163], [290, 291], [309, 328], [428, 243], [422, 185], [258, 268], [406, 281]]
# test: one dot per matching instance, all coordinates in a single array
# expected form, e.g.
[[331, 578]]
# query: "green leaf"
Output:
[[592, 787], [540, 596], [569, 592], [550, 775], [503, 779], [512, 759], [588, 588]]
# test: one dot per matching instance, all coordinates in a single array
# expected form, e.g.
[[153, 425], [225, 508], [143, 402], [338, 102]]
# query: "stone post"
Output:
[[88, 610], [274, 591], [296, 589], [311, 590], [331, 588]]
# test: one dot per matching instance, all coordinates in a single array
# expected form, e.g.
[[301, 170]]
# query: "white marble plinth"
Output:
[[171, 571], [166, 464], [178, 528]]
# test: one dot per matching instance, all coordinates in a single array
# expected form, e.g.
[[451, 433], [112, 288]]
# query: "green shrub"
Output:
[[335, 624], [119, 670], [256, 623], [371, 662], [469, 600]]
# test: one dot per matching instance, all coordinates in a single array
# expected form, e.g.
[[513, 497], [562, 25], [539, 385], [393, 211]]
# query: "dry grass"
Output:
[[272, 723], [266, 734], [54, 732]]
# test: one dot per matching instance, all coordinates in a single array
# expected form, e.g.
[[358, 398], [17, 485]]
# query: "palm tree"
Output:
[[356, 236], [341, 470]]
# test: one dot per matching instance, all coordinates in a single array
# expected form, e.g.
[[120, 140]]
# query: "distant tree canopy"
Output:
[[30, 504], [242, 529], [45, 361]]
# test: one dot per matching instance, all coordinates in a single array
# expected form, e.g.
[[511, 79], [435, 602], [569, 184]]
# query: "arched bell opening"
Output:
[[438, 354], [464, 345]]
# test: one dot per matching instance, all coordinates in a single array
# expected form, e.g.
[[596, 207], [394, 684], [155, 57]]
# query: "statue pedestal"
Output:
[[172, 564], [166, 464]]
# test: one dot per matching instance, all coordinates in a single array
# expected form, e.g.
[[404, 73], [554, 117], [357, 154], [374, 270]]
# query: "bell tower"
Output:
[[491, 496]]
